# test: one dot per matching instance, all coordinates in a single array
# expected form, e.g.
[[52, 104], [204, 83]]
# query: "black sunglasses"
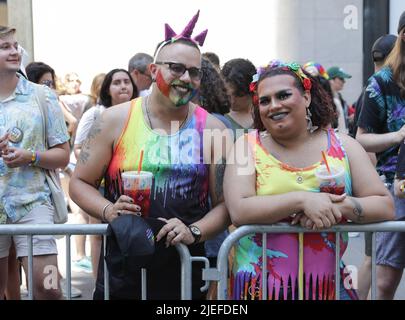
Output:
[[48, 83], [178, 69]]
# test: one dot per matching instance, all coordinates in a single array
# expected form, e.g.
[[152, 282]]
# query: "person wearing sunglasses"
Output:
[[169, 133], [41, 73]]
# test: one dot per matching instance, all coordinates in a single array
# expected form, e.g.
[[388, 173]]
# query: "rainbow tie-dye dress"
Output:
[[275, 177], [180, 186]]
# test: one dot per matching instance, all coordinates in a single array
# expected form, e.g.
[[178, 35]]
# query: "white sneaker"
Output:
[[354, 234], [74, 292], [23, 291]]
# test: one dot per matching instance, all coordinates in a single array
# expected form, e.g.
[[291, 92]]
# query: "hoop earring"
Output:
[[310, 127]]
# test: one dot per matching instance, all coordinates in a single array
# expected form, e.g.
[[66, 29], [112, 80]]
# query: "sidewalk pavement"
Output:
[[84, 281]]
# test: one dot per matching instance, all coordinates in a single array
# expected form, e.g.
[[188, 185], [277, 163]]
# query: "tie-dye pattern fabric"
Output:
[[24, 188], [180, 186], [275, 177], [383, 111]]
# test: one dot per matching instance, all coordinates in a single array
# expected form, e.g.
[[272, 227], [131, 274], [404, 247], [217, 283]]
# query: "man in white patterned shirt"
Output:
[[24, 193]]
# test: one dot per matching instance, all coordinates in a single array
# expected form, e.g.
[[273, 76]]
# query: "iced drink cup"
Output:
[[137, 186], [333, 182]]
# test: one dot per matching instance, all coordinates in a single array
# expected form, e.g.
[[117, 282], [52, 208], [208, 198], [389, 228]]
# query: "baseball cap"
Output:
[[337, 72], [131, 242], [401, 23], [382, 47], [131, 246]]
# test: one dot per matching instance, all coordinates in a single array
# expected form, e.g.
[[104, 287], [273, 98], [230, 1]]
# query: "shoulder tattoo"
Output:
[[219, 177], [94, 131]]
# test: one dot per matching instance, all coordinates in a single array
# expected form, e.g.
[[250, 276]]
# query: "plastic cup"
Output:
[[138, 186], [333, 182]]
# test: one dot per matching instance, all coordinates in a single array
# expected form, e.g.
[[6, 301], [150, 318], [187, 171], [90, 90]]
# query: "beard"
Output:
[[179, 92]]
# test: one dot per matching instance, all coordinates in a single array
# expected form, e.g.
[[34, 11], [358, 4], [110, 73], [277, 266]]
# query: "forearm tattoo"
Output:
[[219, 178], [94, 131], [357, 210]]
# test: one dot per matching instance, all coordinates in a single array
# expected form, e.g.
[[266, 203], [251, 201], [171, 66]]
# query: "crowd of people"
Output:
[[228, 145]]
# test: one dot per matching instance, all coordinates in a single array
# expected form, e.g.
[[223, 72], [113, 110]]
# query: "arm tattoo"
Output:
[[357, 210], [219, 178], [84, 156], [94, 131]]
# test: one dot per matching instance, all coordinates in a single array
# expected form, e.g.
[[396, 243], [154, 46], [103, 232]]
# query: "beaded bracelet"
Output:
[[36, 158], [33, 158], [103, 218]]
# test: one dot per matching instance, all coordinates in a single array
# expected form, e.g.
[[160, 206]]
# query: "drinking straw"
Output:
[[326, 161], [140, 162], [301, 267]]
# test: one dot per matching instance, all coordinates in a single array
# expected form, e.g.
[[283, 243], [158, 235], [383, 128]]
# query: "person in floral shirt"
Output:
[[24, 193], [381, 129]]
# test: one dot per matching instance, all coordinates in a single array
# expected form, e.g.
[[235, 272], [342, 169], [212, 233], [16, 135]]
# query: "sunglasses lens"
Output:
[[48, 83], [195, 73], [178, 68]]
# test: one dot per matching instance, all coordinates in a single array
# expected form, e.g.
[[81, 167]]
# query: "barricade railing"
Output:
[[220, 274], [94, 229]]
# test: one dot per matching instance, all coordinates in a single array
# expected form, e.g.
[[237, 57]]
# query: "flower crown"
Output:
[[320, 70], [171, 36], [274, 64]]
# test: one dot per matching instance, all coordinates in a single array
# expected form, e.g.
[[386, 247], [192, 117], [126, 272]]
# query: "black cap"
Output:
[[401, 23], [131, 245], [382, 47], [131, 242]]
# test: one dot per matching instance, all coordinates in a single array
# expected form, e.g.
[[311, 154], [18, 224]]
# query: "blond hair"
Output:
[[396, 61], [5, 31], [96, 87]]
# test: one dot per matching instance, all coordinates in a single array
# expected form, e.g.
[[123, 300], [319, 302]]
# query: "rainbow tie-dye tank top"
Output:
[[180, 186], [275, 177]]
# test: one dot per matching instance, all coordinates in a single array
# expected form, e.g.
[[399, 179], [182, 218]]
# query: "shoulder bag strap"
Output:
[[41, 98]]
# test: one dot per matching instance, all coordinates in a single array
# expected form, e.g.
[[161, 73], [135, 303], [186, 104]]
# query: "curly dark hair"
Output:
[[239, 73], [105, 97], [321, 105], [212, 57], [213, 94]]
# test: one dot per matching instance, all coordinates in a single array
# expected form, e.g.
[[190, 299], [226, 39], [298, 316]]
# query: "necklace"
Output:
[[150, 121]]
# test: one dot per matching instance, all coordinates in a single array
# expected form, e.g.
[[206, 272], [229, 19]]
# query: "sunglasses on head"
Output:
[[178, 69]]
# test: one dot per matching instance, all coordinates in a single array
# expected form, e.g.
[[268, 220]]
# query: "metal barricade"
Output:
[[94, 229], [221, 273]]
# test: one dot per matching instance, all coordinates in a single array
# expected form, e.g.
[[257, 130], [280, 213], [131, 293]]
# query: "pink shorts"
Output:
[[42, 244]]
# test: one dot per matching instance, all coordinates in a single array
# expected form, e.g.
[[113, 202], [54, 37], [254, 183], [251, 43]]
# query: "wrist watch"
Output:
[[196, 232]]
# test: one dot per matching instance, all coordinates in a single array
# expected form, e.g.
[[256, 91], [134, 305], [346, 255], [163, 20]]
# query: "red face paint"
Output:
[[164, 88], [162, 85]]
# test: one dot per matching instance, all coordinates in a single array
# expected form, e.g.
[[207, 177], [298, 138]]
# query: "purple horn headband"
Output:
[[171, 36]]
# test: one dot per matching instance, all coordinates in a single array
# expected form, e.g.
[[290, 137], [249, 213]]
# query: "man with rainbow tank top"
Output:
[[170, 132], [293, 139]]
